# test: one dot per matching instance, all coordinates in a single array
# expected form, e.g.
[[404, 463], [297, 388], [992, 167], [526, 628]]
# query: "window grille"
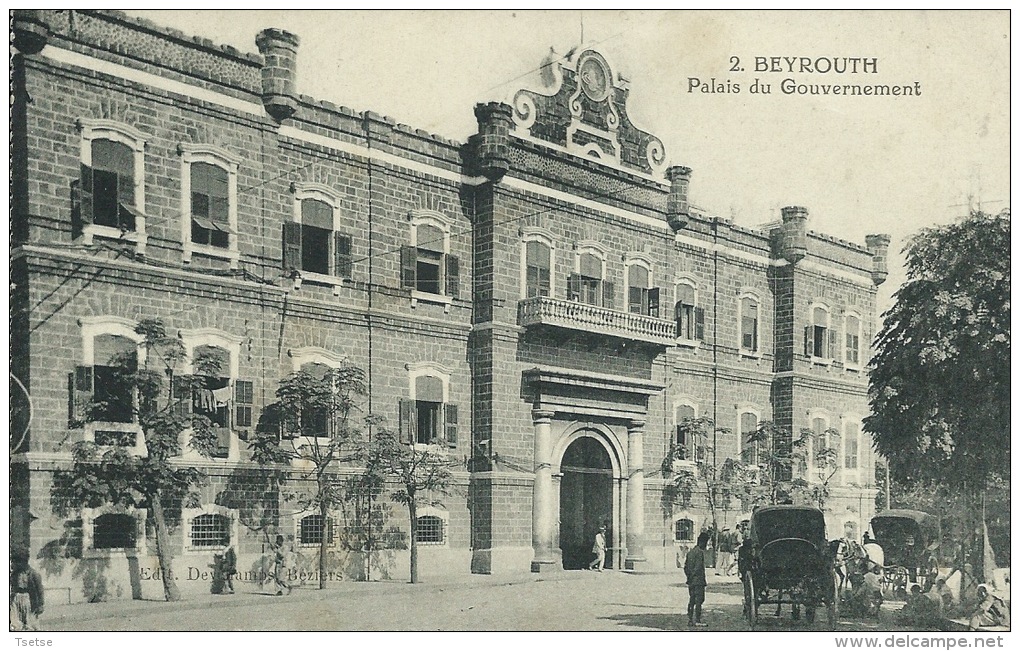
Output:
[[210, 530], [114, 531], [430, 530], [313, 528]]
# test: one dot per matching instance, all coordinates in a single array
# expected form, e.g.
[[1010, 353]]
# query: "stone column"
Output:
[[543, 519], [635, 494]]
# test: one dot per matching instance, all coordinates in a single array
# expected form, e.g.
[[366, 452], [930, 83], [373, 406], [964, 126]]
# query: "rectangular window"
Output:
[[427, 268], [112, 185], [853, 341], [686, 445], [429, 529], [210, 205], [427, 416], [850, 446], [748, 429], [538, 273], [749, 324]]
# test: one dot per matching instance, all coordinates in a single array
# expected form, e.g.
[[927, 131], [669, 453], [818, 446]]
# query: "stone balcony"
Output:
[[573, 315]]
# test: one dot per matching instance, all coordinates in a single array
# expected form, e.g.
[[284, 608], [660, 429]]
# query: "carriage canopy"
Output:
[[904, 534], [787, 521]]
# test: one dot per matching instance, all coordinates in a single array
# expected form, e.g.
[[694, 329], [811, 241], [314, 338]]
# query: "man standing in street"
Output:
[[725, 560], [599, 549], [694, 568]]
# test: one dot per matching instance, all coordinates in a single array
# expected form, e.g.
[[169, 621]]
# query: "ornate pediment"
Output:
[[582, 107]]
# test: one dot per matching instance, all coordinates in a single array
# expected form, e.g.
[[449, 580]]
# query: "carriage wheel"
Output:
[[832, 610], [750, 601]]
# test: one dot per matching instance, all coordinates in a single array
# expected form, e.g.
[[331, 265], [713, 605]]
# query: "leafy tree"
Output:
[[152, 481], [939, 386], [311, 428], [694, 471], [422, 475]]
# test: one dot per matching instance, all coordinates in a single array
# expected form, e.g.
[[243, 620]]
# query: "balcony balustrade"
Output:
[[542, 310]]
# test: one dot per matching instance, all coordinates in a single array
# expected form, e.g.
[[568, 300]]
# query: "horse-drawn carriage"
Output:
[[786, 559], [909, 540]]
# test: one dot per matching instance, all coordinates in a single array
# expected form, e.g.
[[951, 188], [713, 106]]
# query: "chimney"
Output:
[[793, 234], [878, 244], [678, 211], [30, 31], [279, 70], [494, 122]]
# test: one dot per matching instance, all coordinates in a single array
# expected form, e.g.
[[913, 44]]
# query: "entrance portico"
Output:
[[588, 456]]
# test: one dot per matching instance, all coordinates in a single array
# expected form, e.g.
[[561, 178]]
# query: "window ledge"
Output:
[[91, 231], [684, 464], [425, 297], [820, 361], [138, 448], [853, 368], [111, 553], [750, 354], [212, 252], [336, 282], [198, 551], [693, 344]]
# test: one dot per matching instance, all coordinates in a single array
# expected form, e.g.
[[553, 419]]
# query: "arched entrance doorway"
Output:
[[586, 501]]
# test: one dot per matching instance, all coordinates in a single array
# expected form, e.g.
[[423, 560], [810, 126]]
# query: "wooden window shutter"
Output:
[[343, 261], [699, 323], [80, 390], [86, 211], [408, 267], [450, 413], [653, 302], [183, 396], [608, 298], [833, 344], [574, 287], [809, 340], [635, 300], [244, 396], [291, 246], [754, 334], [408, 421], [453, 276]]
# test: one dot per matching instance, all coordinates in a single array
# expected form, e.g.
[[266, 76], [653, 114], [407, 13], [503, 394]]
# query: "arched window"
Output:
[[315, 418], [818, 445], [210, 530], [749, 323], [538, 265], [114, 531], [113, 185], [210, 205], [851, 446], [312, 529], [431, 530], [749, 448], [312, 242], [853, 341], [642, 298], [208, 386], [690, 319], [426, 266], [685, 442], [108, 199], [820, 341], [588, 284], [209, 196], [428, 391], [428, 418], [113, 394], [684, 530]]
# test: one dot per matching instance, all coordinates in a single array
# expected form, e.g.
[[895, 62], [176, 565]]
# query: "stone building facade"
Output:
[[543, 297]]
